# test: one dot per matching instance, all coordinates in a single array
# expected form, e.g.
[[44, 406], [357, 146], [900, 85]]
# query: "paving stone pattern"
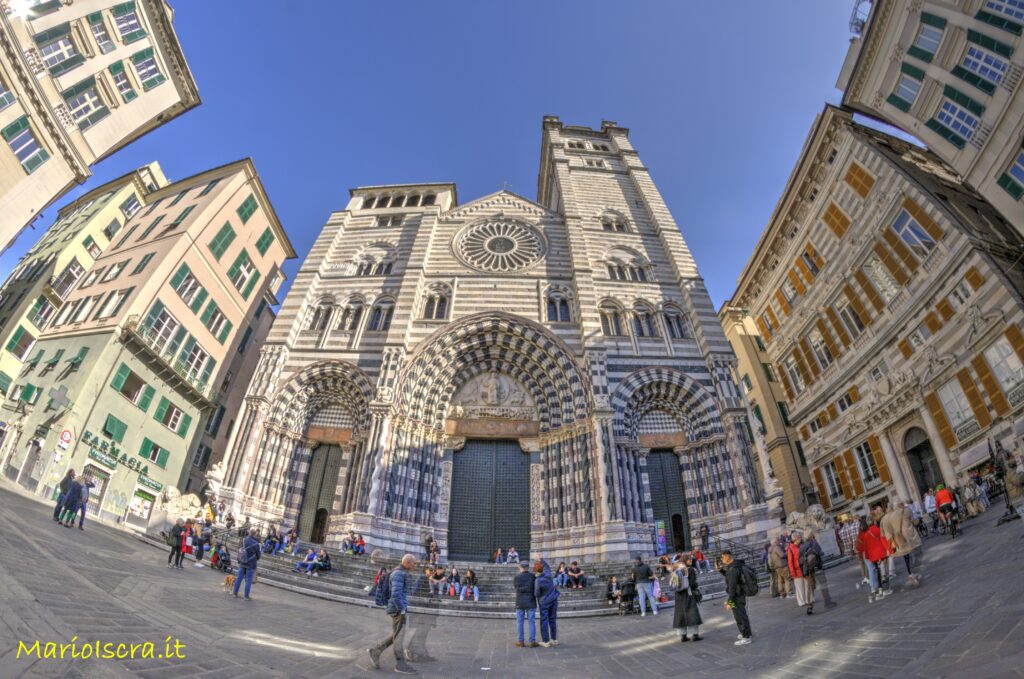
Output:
[[103, 584]]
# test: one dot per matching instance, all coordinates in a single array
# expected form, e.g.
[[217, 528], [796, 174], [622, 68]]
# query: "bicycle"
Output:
[[950, 519]]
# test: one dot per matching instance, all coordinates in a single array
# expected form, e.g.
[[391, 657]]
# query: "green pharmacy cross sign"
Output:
[[106, 453]]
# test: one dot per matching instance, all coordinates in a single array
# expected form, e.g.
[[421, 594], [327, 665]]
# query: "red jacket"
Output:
[[793, 560], [873, 545], [943, 497]]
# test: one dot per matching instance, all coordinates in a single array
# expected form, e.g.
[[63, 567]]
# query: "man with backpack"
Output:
[[740, 582], [811, 555], [399, 582], [645, 579], [248, 555]]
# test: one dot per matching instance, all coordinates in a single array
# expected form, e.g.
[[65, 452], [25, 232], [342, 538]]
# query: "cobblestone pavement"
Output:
[[104, 585]]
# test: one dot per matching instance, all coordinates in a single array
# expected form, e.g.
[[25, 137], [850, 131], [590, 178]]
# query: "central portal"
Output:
[[490, 501], [318, 495]]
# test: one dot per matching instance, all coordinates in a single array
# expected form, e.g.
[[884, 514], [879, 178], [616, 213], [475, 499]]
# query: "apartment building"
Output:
[[123, 381], [79, 81]]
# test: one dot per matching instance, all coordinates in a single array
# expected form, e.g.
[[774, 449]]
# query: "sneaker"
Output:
[[170, 565], [374, 657], [519, 644], [554, 642], [643, 614], [403, 667], [697, 637], [742, 641], [533, 644], [871, 598], [545, 644], [739, 636], [198, 565]]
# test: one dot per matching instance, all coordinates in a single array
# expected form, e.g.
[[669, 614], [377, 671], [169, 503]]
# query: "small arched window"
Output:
[[614, 224], [675, 323], [398, 201], [429, 199], [644, 323], [435, 308], [368, 202], [351, 316], [611, 320], [413, 200], [558, 310], [380, 318], [381, 269], [321, 316]]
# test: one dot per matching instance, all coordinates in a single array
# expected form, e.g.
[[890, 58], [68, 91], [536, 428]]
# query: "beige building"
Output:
[[760, 383], [948, 73], [889, 301], [34, 292], [79, 81], [122, 382]]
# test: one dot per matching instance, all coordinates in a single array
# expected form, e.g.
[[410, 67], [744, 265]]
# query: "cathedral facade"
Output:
[[548, 375]]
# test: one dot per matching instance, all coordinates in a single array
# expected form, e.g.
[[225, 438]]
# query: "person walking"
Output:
[[248, 556], [72, 503], [811, 557], [898, 529], [174, 540], [736, 595], [398, 607], [803, 597], [526, 604], [62, 488], [547, 600], [645, 579], [686, 618], [780, 568], [874, 550], [86, 488]]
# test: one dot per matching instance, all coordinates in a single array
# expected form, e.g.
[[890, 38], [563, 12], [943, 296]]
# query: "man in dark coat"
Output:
[[65, 483], [248, 556], [736, 596], [72, 502], [400, 582], [526, 604]]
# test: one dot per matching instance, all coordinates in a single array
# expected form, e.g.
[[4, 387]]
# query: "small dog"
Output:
[[229, 582]]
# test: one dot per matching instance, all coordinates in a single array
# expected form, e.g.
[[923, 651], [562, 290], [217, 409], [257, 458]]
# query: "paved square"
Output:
[[104, 585]]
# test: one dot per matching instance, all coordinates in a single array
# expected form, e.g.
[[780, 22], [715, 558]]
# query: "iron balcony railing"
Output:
[[160, 348]]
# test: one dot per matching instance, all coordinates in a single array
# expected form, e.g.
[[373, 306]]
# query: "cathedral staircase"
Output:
[[351, 577]]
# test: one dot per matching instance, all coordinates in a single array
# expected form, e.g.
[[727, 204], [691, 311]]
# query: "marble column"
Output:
[[895, 468]]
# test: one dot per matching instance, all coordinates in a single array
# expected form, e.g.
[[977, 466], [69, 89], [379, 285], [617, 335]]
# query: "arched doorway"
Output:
[[921, 459], [318, 493], [319, 531], [668, 501]]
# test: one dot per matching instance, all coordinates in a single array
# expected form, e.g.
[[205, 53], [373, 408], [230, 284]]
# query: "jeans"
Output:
[[438, 588], [466, 589], [395, 638], [531, 614], [200, 545], [81, 514], [646, 591], [739, 612], [873, 576], [244, 573], [561, 579], [549, 621]]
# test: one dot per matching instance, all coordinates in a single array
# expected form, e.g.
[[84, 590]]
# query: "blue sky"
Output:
[[327, 95]]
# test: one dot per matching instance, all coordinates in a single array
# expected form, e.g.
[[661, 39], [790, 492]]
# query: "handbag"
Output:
[[697, 596]]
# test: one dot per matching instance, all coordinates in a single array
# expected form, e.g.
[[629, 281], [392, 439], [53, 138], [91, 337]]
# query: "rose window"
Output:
[[499, 246]]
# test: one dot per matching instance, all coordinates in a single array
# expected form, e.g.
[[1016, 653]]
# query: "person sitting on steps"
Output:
[[577, 578], [469, 586], [614, 593]]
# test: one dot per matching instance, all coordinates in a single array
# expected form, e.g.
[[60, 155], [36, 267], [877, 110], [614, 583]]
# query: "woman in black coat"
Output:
[[687, 613]]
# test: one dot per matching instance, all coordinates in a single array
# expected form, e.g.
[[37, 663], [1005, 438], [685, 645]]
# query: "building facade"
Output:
[[890, 301], [122, 382], [769, 410], [34, 292], [548, 375], [949, 74], [79, 81]]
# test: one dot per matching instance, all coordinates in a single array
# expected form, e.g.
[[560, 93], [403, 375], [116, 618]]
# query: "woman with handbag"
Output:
[[454, 582], [686, 617]]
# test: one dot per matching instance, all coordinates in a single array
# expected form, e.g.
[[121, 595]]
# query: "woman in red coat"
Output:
[[875, 549], [800, 584], [186, 535]]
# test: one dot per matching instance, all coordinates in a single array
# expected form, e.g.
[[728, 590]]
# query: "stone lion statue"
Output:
[[814, 519], [178, 505]]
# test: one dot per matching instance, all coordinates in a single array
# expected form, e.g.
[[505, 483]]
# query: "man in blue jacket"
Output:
[[546, 592], [400, 581], [248, 555], [526, 604]]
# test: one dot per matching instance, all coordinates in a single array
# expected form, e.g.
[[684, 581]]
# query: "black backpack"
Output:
[[748, 581]]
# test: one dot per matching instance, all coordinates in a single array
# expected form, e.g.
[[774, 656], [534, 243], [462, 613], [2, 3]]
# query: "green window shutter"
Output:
[[152, 226], [239, 261], [77, 89], [120, 377], [247, 208], [186, 422], [184, 213], [15, 128], [40, 301], [220, 242], [990, 44], [176, 341], [189, 343], [147, 398], [67, 64], [123, 8], [116, 428], [146, 446], [933, 20], [210, 308], [1011, 186], [974, 79], [962, 99], [117, 67], [95, 18], [208, 369], [197, 303], [15, 338], [251, 284], [898, 103], [265, 241], [225, 332], [912, 71], [919, 53], [183, 271], [124, 300], [5, 383], [154, 312], [52, 34], [999, 22], [27, 392], [946, 133], [161, 409], [161, 458], [143, 55]]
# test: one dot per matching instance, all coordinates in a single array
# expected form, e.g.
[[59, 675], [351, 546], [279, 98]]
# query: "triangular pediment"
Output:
[[498, 202]]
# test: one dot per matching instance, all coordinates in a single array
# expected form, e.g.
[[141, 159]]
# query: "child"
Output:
[[614, 594]]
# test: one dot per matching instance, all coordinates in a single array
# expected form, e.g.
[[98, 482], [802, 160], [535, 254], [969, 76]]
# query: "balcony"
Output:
[[165, 364]]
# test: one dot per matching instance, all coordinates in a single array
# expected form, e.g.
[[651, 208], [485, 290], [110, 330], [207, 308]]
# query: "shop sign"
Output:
[[103, 458], [110, 450], [149, 483]]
